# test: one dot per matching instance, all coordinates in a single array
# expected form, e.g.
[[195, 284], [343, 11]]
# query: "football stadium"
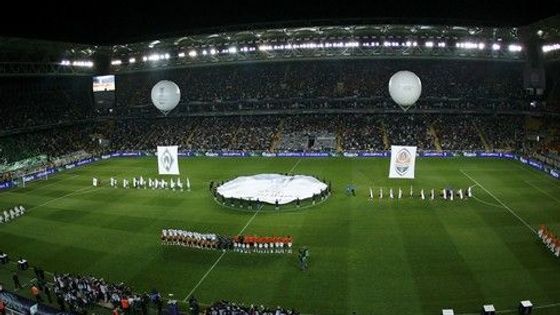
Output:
[[313, 167]]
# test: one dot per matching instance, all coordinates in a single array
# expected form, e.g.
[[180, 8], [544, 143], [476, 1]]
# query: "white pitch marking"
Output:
[[503, 204], [543, 191], [61, 197], [224, 253], [294, 167], [219, 258]]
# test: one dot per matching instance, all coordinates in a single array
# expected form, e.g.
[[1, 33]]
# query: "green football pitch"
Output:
[[382, 257]]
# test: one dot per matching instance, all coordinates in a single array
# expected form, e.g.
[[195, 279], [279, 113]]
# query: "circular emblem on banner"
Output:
[[167, 160], [402, 164]]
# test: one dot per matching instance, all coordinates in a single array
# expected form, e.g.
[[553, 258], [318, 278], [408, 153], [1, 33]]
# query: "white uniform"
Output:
[[444, 194], [172, 184], [432, 194], [451, 195], [391, 193], [400, 193], [422, 194], [461, 193], [94, 182], [469, 192]]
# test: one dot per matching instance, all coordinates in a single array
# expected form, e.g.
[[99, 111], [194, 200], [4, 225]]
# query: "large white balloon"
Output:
[[405, 88], [165, 96]]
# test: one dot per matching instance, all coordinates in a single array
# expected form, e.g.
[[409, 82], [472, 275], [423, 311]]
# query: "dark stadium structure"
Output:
[[261, 91]]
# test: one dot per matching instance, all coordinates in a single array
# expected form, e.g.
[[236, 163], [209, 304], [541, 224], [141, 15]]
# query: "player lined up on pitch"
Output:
[[549, 239], [11, 214], [445, 193], [141, 183], [239, 243]]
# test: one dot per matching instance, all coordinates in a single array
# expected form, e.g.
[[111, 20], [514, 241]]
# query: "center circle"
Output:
[[272, 189]]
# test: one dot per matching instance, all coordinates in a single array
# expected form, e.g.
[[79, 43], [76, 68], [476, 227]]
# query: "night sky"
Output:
[[103, 22]]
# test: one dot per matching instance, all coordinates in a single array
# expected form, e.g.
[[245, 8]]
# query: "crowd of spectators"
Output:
[[80, 293], [35, 101], [226, 307], [294, 84], [308, 132]]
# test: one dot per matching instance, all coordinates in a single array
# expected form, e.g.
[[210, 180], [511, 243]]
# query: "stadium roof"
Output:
[[117, 22]]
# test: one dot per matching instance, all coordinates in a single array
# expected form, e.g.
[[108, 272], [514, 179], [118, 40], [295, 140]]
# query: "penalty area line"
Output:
[[500, 202], [219, 258]]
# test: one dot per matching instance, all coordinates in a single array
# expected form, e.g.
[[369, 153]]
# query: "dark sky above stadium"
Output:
[[104, 22]]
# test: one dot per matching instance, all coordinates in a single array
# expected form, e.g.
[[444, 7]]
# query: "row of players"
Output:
[[11, 214], [550, 240], [446, 194], [141, 183], [193, 239], [214, 241]]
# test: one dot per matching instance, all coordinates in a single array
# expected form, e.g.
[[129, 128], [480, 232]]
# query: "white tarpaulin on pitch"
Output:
[[271, 187], [403, 160], [168, 162]]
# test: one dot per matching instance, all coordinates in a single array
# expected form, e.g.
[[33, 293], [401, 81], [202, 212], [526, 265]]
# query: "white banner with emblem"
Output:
[[403, 160], [168, 162]]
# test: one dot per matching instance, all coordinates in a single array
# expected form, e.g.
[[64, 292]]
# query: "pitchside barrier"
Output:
[[348, 154]]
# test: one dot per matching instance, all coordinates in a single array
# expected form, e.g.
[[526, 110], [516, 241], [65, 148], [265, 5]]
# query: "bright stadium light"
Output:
[[441, 44], [181, 55], [204, 52], [213, 51], [515, 48], [116, 62], [551, 47], [132, 60], [481, 46], [429, 44], [154, 57], [495, 46], [152, 44], [85, 64], [65, 62], [144, 58], [192, 53], [167, 56], [232, 50]]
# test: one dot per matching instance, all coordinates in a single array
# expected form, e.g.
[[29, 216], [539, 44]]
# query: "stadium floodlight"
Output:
[[481, 46], [265, 47], [204, 52], [386, 44], [515, 48], [232, 50], [154, 57], [429, 44], [181, 55], [213, 51], [152, 44], [79, 63], [441, 44], [132, 60], [65, 62], [192, 53], [495, 46], [551, 47], [116, 62], [144, 58], [167, 56]]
